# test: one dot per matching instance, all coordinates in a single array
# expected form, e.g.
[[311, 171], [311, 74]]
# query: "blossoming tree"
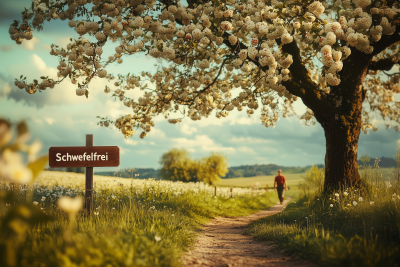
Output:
[[237, 54]]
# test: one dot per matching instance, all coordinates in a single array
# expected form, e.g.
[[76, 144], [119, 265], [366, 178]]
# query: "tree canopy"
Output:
[[237, 54], [177, 165]]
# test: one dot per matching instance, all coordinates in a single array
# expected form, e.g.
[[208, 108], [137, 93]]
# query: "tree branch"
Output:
[[300, 83], [383, 64], [386, 41]]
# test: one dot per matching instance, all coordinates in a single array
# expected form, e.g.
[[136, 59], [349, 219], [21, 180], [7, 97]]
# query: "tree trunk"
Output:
[[341, 167], [342, 130]]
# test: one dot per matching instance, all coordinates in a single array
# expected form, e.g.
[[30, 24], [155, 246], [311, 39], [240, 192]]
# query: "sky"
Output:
[[58, 117]]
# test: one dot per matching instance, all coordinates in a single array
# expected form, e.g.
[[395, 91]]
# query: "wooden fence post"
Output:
[[215, 191], [231, 191], [89, 180]]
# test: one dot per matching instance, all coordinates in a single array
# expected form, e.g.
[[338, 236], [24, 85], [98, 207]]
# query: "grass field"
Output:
[[351, 227], [293, 179], [136, 222]]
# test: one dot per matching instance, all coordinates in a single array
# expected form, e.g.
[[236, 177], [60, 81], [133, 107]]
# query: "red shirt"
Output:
[[280, 180]]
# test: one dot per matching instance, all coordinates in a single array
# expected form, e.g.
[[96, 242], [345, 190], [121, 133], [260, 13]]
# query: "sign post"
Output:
[[89, 179], [88, 156]]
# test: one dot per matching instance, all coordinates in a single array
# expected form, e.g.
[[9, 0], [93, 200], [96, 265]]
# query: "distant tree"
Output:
[[176, 165], [365, 158], [313, 179], [75, 169], [213, 168]]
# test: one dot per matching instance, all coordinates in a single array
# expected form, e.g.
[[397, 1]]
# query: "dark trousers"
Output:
[[280, 189]]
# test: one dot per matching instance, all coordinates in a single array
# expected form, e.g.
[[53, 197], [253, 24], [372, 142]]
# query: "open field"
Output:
[[291, 179], [134, 222], [348, 227]]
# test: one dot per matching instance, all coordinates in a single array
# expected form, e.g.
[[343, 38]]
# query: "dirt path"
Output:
[[222, 244]]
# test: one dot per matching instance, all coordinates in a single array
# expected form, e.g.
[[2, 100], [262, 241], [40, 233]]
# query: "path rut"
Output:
[[222, 244]]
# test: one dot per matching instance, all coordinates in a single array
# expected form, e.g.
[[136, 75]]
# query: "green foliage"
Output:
[[313, 180], [213, 167], [148, 226], [178, 166], [365, 158], [348, 228]]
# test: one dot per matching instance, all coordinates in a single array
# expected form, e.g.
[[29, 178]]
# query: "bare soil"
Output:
[[222, 244]]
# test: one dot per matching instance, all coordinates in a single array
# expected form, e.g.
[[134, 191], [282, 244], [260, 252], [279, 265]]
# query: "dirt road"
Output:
[[221, 244]]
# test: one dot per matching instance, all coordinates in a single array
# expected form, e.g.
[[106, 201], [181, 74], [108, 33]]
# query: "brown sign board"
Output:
[[82, 156]]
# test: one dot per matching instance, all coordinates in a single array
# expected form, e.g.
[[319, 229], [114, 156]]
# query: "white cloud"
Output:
[[246, 149], [130, 142], [6, 89], [201, 141], [122, 151], [254, 119], [50, 121], [247, 140], [186, 129], [156, 132], [39, 63], [63, 42], [218, 149], [30, 45]]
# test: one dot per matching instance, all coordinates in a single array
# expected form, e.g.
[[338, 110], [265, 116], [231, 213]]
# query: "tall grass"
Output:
[[150, 224], [348, 228]]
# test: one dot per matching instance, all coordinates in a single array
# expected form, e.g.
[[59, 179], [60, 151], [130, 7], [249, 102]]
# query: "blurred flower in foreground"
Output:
[[354, 203], [157, 238], [5, 132], [13, 169], [70, 205]]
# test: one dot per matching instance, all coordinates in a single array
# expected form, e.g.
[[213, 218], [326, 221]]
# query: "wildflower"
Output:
[[345, 194], [371, 203], [113, 208], [70, 205], [35, 202], [96, 213], [157, 238], [336, 194], [172, 215], [43, 199], [331, 205], [354, 203], [360, 199]]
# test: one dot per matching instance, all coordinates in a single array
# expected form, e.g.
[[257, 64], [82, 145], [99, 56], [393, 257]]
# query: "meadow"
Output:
[[351, 227], [134, 223]]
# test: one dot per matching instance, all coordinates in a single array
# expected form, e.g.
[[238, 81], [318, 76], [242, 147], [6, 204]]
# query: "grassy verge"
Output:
[[147, 226], [348, 228]]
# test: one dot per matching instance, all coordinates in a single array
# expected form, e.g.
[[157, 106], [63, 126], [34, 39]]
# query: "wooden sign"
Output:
[[88, 156], [82, 156]]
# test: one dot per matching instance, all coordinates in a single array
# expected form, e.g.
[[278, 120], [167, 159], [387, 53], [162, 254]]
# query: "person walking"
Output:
[[280, 185]]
